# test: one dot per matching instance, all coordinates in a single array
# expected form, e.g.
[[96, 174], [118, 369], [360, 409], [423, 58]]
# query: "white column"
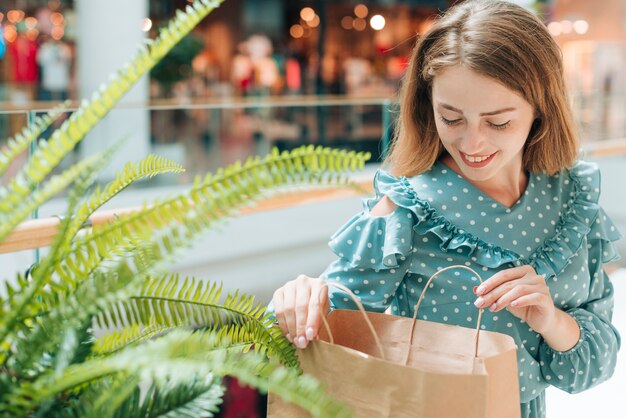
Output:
[[108, 34]]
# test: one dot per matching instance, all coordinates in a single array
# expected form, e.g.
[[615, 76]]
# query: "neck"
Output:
[[505, 188]]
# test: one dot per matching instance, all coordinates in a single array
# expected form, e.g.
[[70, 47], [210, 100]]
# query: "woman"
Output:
[[483, 173]]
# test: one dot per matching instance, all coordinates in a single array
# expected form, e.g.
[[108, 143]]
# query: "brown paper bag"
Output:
[[426, 370]]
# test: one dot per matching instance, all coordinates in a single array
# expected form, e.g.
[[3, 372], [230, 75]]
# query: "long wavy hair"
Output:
[[507, 43]]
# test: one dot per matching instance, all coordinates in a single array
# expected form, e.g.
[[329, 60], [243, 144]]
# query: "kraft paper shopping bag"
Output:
[[425, 369]]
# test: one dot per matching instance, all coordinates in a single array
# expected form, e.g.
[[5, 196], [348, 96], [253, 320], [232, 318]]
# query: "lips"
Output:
[[477, 160]]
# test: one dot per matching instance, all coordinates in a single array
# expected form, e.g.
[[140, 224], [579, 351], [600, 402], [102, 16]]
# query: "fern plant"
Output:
[[175, 337]]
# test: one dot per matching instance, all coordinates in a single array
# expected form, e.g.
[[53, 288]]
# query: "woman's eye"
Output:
[[450, 122], [499, 126]]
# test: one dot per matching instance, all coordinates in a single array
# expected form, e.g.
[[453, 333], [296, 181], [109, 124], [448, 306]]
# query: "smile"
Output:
[[477, 161]]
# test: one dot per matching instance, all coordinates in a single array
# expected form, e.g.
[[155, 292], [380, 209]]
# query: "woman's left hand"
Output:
[[522, 292]]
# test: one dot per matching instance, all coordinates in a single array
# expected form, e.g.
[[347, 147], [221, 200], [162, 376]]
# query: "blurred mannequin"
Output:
[[55, 59], [23, 54], [242, 70]]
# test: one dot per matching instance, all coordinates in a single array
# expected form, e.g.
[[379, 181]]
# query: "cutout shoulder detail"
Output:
[[384, 207]]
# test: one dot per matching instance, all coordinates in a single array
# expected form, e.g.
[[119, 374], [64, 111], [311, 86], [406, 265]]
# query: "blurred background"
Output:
[[257, 74], [251, 75]]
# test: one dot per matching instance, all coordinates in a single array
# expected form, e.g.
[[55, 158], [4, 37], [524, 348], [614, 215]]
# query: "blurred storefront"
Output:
[[301, 46], [592, 36], [57, 49]]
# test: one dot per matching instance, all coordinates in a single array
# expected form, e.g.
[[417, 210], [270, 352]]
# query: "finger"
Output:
[[317, 308], [279, 312], [533, 299], [289, 309], [503, 276], [488, 299], [515, 293], [303, 297]]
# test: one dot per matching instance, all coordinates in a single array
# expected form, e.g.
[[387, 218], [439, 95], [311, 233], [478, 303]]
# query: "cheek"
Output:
[[446, 135], [516, 140]]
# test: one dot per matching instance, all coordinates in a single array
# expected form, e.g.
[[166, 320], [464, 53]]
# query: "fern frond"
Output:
[[12, 294], [24, 304], [175, 358], [209, 200], [198, 398], [116, 340], [20, 142], [116, 389], [146, 168], [100, 290], [170, 302], [119, 396], [69, 226], [133, 249], [49, 153], [23, 206]]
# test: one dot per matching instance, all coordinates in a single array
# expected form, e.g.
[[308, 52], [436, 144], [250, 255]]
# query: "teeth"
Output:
[[475, 159]]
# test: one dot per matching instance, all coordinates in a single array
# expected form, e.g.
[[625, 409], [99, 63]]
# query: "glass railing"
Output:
[[600, 116], [209, 133], [205, 135]]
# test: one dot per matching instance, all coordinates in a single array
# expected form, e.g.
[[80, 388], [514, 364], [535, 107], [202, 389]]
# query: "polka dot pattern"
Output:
[[442, 220]]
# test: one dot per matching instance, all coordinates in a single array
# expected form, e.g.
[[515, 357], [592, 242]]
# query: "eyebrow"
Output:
[[495, 112]]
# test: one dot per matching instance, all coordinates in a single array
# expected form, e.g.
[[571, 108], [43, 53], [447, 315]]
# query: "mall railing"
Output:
[[208, 135]]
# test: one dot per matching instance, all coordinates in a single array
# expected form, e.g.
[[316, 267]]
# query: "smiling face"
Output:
[[482, 124]]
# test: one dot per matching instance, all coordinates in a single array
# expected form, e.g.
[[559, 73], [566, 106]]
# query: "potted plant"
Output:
[[174, 337]]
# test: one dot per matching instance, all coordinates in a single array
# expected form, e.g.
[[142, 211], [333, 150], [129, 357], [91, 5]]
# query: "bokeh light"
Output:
[[30, 22], [315, 22], [146, 24], [10, 33], [346, 22], [57, 32], [359, 24], [554, 28], [360, 10], [581, 27], [15, 16], [307, 14], [57, 18], [377, 22], [296, 31]]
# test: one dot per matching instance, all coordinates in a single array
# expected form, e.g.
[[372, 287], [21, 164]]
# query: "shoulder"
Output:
[[577, 184], [384, 207], [405, 191], [585, 174]]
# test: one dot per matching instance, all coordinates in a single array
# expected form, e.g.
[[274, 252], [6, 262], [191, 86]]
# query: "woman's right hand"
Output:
[[299, 306]]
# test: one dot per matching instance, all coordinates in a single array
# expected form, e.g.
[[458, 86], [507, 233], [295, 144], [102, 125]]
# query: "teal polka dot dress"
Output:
[[442, 220]]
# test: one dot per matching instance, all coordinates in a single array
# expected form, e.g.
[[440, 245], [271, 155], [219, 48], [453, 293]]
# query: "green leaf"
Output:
[[20, 142]]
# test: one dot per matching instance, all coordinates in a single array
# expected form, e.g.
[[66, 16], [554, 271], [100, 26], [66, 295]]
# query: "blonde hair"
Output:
[[502, 41]]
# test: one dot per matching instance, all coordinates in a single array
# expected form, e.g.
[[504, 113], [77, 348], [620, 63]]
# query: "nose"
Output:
[[472, 141]]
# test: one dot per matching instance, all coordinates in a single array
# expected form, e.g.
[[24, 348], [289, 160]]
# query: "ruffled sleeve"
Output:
[[583, 221], [373, 251], [428, 220], [592, 360]]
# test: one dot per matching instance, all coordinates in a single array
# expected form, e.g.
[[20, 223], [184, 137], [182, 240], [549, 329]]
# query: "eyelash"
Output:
[[457, 121]]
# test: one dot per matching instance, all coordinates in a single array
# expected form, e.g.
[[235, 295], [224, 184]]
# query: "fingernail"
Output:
[[289, 337], [492, 307], [479, 302], [301, 342], [480, 290], [309, 333], [474, 290]]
